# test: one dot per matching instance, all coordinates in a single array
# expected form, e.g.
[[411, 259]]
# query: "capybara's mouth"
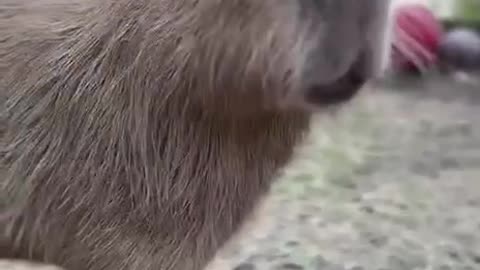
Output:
[[338, 91]]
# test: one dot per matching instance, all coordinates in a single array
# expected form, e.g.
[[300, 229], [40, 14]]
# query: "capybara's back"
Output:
[[139, 134]]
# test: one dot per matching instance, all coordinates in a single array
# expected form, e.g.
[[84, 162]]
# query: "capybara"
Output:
[[139, 134]]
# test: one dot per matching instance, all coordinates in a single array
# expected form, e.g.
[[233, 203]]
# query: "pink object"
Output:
[[417, 34]]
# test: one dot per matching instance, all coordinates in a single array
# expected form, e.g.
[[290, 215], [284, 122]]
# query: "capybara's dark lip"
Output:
[[339, 91]]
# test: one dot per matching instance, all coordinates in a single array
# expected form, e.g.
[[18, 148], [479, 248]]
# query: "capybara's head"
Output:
[[127, 145], [246, 55]]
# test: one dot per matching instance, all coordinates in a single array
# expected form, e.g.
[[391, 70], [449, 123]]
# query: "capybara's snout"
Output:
[[347, 49]]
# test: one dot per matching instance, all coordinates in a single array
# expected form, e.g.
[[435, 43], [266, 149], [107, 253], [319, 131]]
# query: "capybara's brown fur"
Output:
[[139, 134]]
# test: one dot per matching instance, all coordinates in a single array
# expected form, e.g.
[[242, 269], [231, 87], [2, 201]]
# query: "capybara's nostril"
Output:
[[342, 89]]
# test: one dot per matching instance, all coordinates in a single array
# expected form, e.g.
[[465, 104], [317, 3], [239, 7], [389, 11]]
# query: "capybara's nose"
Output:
[[343, 88]]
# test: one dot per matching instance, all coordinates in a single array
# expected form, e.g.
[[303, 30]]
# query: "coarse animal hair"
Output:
[[139, 134]]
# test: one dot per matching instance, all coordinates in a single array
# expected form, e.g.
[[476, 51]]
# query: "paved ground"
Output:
[[389, 183], [392, 184]]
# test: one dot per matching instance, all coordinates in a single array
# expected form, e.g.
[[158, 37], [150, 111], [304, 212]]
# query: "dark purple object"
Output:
[[459, 49]]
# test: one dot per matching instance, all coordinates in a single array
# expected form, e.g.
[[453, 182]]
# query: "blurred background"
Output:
[[391, 182]]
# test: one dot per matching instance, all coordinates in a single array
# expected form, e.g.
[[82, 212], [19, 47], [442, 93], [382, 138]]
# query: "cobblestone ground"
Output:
[[391, 182]]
